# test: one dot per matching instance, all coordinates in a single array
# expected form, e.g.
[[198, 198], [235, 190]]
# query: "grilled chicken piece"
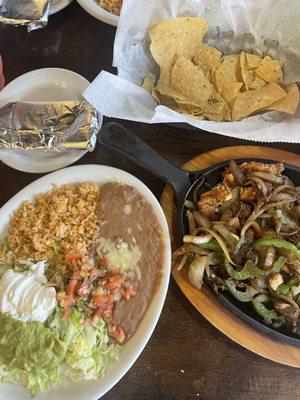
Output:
[[234, 171], [274, 169], [275, 280], [211, 201], [248, 194], [229, 178]]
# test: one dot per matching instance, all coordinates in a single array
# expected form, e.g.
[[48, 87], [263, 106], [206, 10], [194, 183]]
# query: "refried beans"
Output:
[[130, 238]]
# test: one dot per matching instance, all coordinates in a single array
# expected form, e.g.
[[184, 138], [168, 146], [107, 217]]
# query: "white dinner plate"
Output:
[[98, 12], [58, 5], [92, 390], [46, 84]]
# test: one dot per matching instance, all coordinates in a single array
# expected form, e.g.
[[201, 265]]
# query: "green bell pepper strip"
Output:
[[251, 271], [279, 243], [293, 282], [237, 294], [270, 316], [191, 257], [283, 288], [277, 266]]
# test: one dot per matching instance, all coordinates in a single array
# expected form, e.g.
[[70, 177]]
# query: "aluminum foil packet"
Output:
[[32, 13], [56, 126]]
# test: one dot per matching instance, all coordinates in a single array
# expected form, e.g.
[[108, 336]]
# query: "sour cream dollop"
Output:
[[25, 296]]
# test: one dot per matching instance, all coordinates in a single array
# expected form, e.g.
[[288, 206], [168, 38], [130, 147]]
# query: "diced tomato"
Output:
[[114, 281], [128, 292], [113, 272], [66, 313], [74, 259], [102, 282], [84, 288], [117, 332], [87, 321], [70, 289], [101, 300], [104, 305], [67, 301], [103, 261]]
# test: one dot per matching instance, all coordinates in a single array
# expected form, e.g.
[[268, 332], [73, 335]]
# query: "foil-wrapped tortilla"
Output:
[[57, 126], [33, 13]]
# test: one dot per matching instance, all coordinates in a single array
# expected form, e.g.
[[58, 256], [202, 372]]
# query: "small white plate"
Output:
[[58, 5], [98, 12], [47, 84], [130, 351]]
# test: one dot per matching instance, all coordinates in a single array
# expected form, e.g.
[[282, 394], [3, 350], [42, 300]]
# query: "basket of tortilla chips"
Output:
[[180, 69]]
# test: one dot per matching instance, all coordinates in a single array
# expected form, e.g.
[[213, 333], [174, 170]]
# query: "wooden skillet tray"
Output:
[[259, 339]]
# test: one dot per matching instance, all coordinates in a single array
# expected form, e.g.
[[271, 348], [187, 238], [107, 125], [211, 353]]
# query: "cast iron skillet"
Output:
[[183, 183]]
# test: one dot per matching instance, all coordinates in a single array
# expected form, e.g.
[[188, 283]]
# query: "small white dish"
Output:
[[58, 5], [130, 351], [47, 84], [98, 12]]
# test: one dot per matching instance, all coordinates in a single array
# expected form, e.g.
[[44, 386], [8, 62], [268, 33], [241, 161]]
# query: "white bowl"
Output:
[[98, 12], [92, 390], [46, 84], [58, 5]]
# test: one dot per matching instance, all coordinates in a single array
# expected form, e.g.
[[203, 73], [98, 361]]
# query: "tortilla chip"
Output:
[[231, 90], [163, 99], [163, 86], [190, 80], [214, 117], [217, 109], [155, 93], [288, 104], [205, 69], [207, 57], [175, 36], [269, 70], [252, 60], [189, 108], [166, 95], [169, 97], [257, 83], [247, 74], [255, 100], [149, 83], [182, 106], [229, 71]]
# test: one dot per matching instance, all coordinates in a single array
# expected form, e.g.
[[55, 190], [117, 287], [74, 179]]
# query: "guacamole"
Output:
[[31, 353], [39, 354]]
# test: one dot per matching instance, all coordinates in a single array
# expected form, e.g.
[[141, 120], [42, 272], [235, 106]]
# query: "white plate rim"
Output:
[[59, 6], [101, 173], [11, 92], [91, 7]]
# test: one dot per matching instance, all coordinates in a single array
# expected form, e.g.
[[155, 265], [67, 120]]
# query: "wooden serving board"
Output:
[[205, 301]]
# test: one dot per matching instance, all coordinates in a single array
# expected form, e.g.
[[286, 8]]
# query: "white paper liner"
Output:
[[268, 27]]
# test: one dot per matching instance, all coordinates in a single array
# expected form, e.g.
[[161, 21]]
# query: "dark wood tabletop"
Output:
[[186, 357]]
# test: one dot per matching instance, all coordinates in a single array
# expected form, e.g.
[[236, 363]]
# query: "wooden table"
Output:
[[186, 357]]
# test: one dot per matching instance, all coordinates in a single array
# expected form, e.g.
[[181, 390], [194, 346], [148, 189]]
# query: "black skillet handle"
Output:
[[117, 137]]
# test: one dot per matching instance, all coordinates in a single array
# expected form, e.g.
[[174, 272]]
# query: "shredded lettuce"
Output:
[[89, 350], [40, 355]]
